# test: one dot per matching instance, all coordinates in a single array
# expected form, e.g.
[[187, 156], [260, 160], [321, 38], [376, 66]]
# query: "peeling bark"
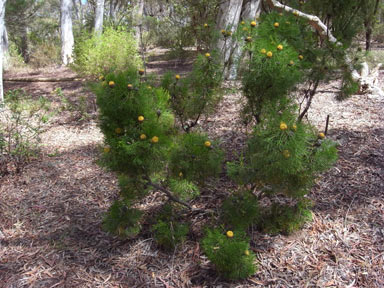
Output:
[[2, 24], [99, 17], [67, 40]]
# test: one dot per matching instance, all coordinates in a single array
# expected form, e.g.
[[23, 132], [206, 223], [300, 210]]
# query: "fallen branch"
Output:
[[23, 79], [363, 80]]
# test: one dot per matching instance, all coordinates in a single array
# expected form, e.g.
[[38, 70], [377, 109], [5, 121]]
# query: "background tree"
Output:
[[99, 17], [2, 24], [67, 40]]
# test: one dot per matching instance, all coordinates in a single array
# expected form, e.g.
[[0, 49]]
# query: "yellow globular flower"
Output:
[[129, 86], [301, 57], [263, 51], [253, 23], [107, 149], [279, 47], [269, 54], [295, 13], [229, 234], [143, 136], [248, 39], [177, 76], [207, 144], [140, 118], [155, 139], [101, 78], [181, 174], [207, 55], [283, 126], [246, 252], [118, 130], [223, 32], [294, 127], [321, 135], [245, 29], [149, 87], [205, 25], [276, 24], [242, 22], [141, 71], [111, 84], [286, 154], [291, 63]]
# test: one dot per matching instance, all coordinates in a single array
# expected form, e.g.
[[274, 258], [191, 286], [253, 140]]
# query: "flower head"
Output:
[[155, 139], [207, 144], [269, 54], [283, 126], [143, 136], [229, 234], [111, 84], [140, 118]]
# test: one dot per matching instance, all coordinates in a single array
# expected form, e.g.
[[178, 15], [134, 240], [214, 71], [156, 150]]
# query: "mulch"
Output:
[[51, 213]]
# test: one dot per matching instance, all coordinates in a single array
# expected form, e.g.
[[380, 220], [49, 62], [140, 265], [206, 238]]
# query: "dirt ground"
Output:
[[51, 213]]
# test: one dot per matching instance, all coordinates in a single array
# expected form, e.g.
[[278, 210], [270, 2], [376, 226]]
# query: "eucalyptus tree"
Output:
[[67, 40], [2, 24]]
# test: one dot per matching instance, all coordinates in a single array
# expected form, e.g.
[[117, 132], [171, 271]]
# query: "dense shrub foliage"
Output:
[[113, 51]]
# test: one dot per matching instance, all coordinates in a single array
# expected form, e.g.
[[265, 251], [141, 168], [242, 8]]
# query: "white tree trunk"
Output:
[[5, 47], [250, 10], [2, 24], [67, 40], [138, 17], [228, 19], [99, 17]]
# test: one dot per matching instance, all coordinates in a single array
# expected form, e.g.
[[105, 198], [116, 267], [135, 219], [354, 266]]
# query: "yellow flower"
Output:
[[283, 126], [280, 14], [294, 127], [107, 149], [276, 25], [242, 22], [111, 84], [229, 33], [248, 39], [140, 118], [269, 54], [129, 86], [101, 78], [246, 252], [207, 55], [141, 71], [205, 25], [229, 234], [321, 135], [155, 139], [177, 76], [223, 32], [263, 51], [295, 13], [301, 57], [253, 23], [181, 174], [118, 130], [143, 136], [245, 29], [207, 144], [286, 154], [280, 47], [291, 63]]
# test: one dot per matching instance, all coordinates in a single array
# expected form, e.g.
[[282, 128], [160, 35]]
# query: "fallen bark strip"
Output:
[[367, 83], [24, 79]]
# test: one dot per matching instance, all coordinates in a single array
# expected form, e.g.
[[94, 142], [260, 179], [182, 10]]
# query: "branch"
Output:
[[22, 79]]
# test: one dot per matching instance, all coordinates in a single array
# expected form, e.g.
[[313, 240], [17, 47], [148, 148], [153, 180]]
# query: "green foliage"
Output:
[[197, 93], [240, 210], [21, 124], [122, 219], [113, 51], [195, 157], [231, 256], [168, 230], [286, 219]]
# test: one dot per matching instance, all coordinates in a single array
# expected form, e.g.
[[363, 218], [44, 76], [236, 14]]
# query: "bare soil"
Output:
[[51, 213]]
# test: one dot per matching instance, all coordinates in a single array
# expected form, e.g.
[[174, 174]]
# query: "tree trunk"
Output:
[[99, 17], [5, 47], [250, 10], [138, 17], [2, 24], [228, 19], [24, 42], [67, 40]]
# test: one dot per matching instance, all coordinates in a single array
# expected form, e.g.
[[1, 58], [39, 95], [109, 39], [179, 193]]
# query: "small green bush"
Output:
[[113, 51], [240, 210], [286, 219], [169, 233], [229, 253]]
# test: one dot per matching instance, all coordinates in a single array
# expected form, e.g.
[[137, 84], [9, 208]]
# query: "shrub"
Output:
[[286, 219], [240, 210], [113, 51], [143, 146], [229, 253], [21, 124]]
